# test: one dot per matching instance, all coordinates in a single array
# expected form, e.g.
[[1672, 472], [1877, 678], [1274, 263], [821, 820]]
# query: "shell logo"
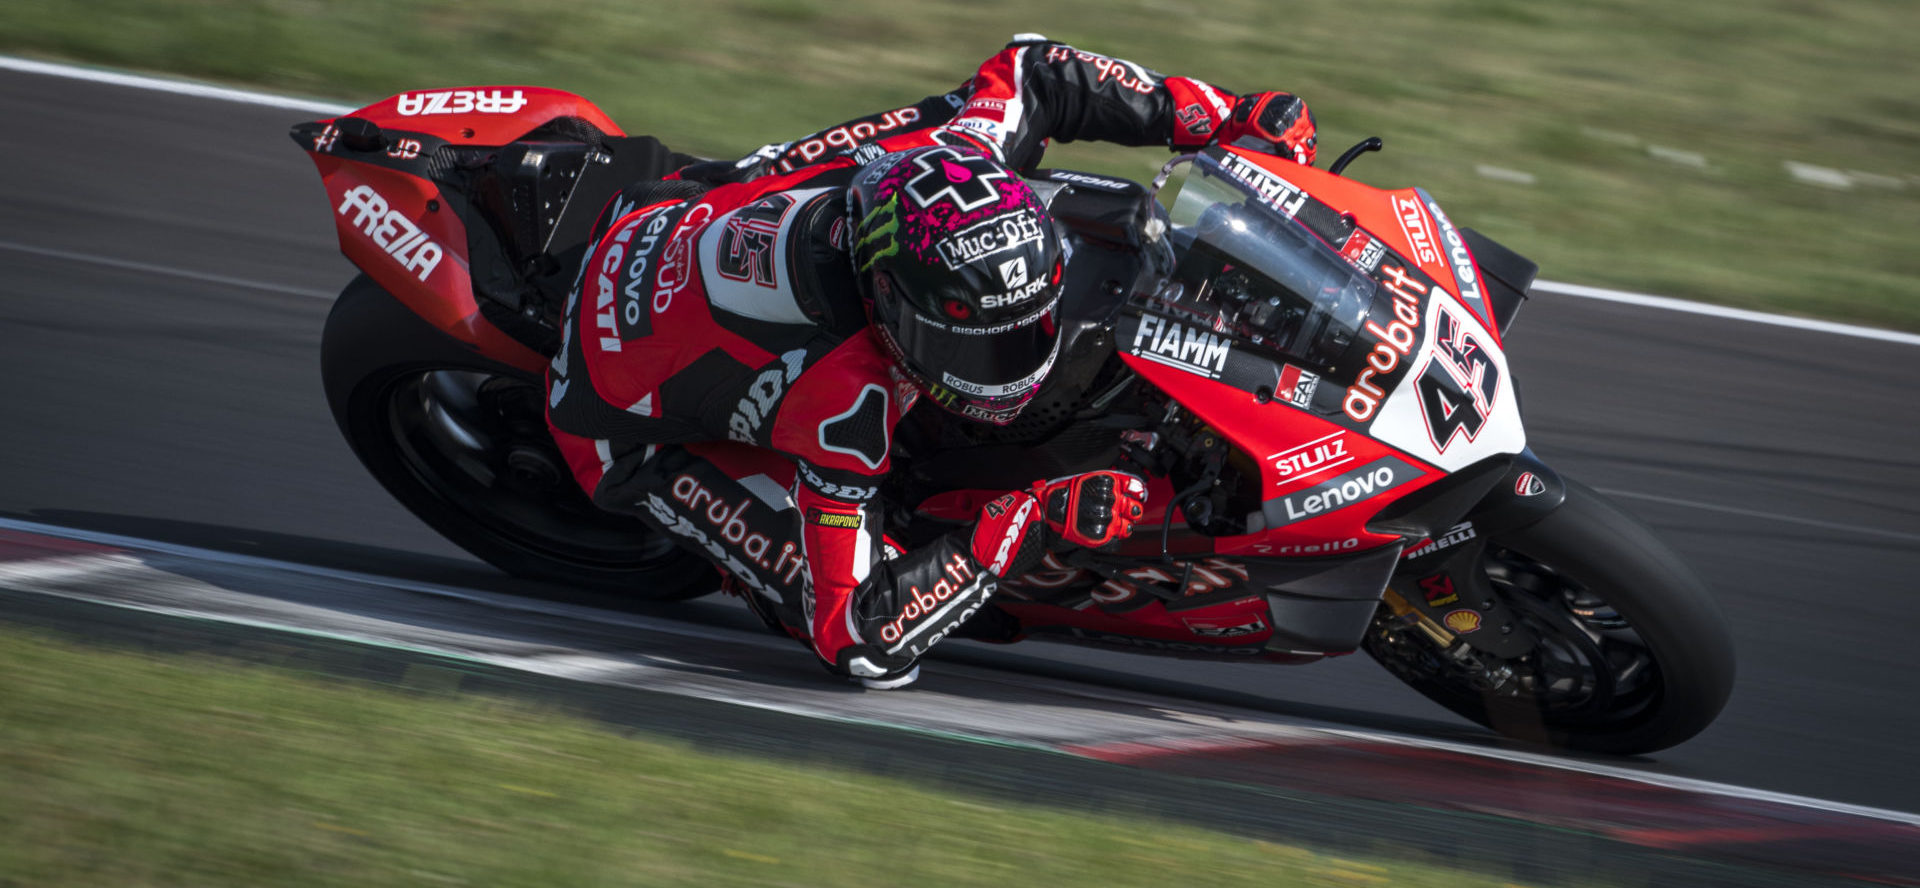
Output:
[[1463, 621]]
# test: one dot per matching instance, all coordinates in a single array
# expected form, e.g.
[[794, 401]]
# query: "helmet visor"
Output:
[[995, 369]]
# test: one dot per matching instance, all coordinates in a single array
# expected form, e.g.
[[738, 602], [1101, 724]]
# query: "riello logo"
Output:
[[461, 101]]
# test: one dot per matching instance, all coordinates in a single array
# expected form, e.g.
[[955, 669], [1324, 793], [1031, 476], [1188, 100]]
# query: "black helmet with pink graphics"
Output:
[[960, 264]]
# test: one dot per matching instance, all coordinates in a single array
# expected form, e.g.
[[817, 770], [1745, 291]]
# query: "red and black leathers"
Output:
[[718, 377]]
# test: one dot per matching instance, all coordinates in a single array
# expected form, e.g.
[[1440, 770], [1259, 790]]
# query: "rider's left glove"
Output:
[[1273, 122]]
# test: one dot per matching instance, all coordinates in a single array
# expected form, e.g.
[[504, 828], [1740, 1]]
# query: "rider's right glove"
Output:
[[1093, 509], [1088, 510], [1274, 122]]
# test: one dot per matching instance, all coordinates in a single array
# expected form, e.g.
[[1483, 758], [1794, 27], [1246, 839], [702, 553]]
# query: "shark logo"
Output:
[[882, 224]]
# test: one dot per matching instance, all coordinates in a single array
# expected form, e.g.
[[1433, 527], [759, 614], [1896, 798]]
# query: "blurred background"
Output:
[[1761, 153]]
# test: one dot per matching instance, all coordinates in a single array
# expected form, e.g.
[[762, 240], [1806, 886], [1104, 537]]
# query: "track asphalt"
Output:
[[167, 260]]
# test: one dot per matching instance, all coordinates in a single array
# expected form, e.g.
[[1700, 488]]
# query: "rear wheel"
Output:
[[462, 443], [1634, 654]]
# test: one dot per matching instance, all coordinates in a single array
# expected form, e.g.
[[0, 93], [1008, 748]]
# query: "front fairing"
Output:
[[1389, 382]]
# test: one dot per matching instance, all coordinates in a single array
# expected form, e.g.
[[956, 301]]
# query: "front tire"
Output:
[[1634, 656], [462, 442]]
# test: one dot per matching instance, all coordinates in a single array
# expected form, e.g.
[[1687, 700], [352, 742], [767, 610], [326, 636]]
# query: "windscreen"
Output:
[[1261, 273]]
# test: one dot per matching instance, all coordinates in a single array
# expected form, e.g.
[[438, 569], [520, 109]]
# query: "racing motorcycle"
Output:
[[1309, 371]]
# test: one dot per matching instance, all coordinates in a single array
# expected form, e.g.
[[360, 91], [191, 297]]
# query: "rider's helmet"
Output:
[[960, 265]]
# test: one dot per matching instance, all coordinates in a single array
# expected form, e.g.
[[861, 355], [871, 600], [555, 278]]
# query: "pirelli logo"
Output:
[[850, 521]]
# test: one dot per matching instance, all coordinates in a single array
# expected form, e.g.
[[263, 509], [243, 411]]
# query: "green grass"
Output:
[[1574, 93], [131, 770]]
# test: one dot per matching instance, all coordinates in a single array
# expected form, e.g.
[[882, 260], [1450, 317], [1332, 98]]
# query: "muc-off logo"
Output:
[[1337, 493], [987, 238], [763, 396], [945, 177], [391, 231], [461, 101], [1189, 348]]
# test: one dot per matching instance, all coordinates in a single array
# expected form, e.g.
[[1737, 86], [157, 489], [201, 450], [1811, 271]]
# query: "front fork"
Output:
[[1441, 587]]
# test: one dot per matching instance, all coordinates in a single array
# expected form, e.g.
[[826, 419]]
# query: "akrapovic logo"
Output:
[[391, 230], [460, 101], [1339, 492]]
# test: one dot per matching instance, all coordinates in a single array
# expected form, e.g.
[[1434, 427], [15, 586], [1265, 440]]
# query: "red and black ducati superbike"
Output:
[[1309, 371]]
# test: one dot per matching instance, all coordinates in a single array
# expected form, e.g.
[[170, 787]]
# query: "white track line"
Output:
[[176, 87], [146, 268], [585, 667], [1721, 311], [228, 94], [1755, 513]]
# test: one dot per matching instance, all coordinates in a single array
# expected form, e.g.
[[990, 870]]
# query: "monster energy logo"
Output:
[[879, 242]]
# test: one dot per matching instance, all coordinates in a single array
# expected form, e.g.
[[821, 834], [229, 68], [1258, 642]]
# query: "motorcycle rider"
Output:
[[735, 359]]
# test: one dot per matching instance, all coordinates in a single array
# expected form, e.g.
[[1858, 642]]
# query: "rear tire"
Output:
[[1635, 653], [461, 441]]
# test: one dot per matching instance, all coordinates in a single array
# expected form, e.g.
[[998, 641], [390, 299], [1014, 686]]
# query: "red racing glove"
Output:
[[1274, 122], [1088, 510], [1093, 509]]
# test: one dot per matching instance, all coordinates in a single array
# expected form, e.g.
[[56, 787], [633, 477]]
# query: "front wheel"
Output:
[[462, 443], [1634, 654]]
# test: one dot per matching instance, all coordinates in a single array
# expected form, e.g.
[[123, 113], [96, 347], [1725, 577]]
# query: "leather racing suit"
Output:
[[718, 377]]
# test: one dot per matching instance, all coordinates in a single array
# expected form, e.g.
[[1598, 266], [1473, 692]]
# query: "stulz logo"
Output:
[[1312, 458], [763, 395], [1413, 223], [990, 237], [391, 231], [1339, 492], [1393, 344], [1188, 348], [461, 101]]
